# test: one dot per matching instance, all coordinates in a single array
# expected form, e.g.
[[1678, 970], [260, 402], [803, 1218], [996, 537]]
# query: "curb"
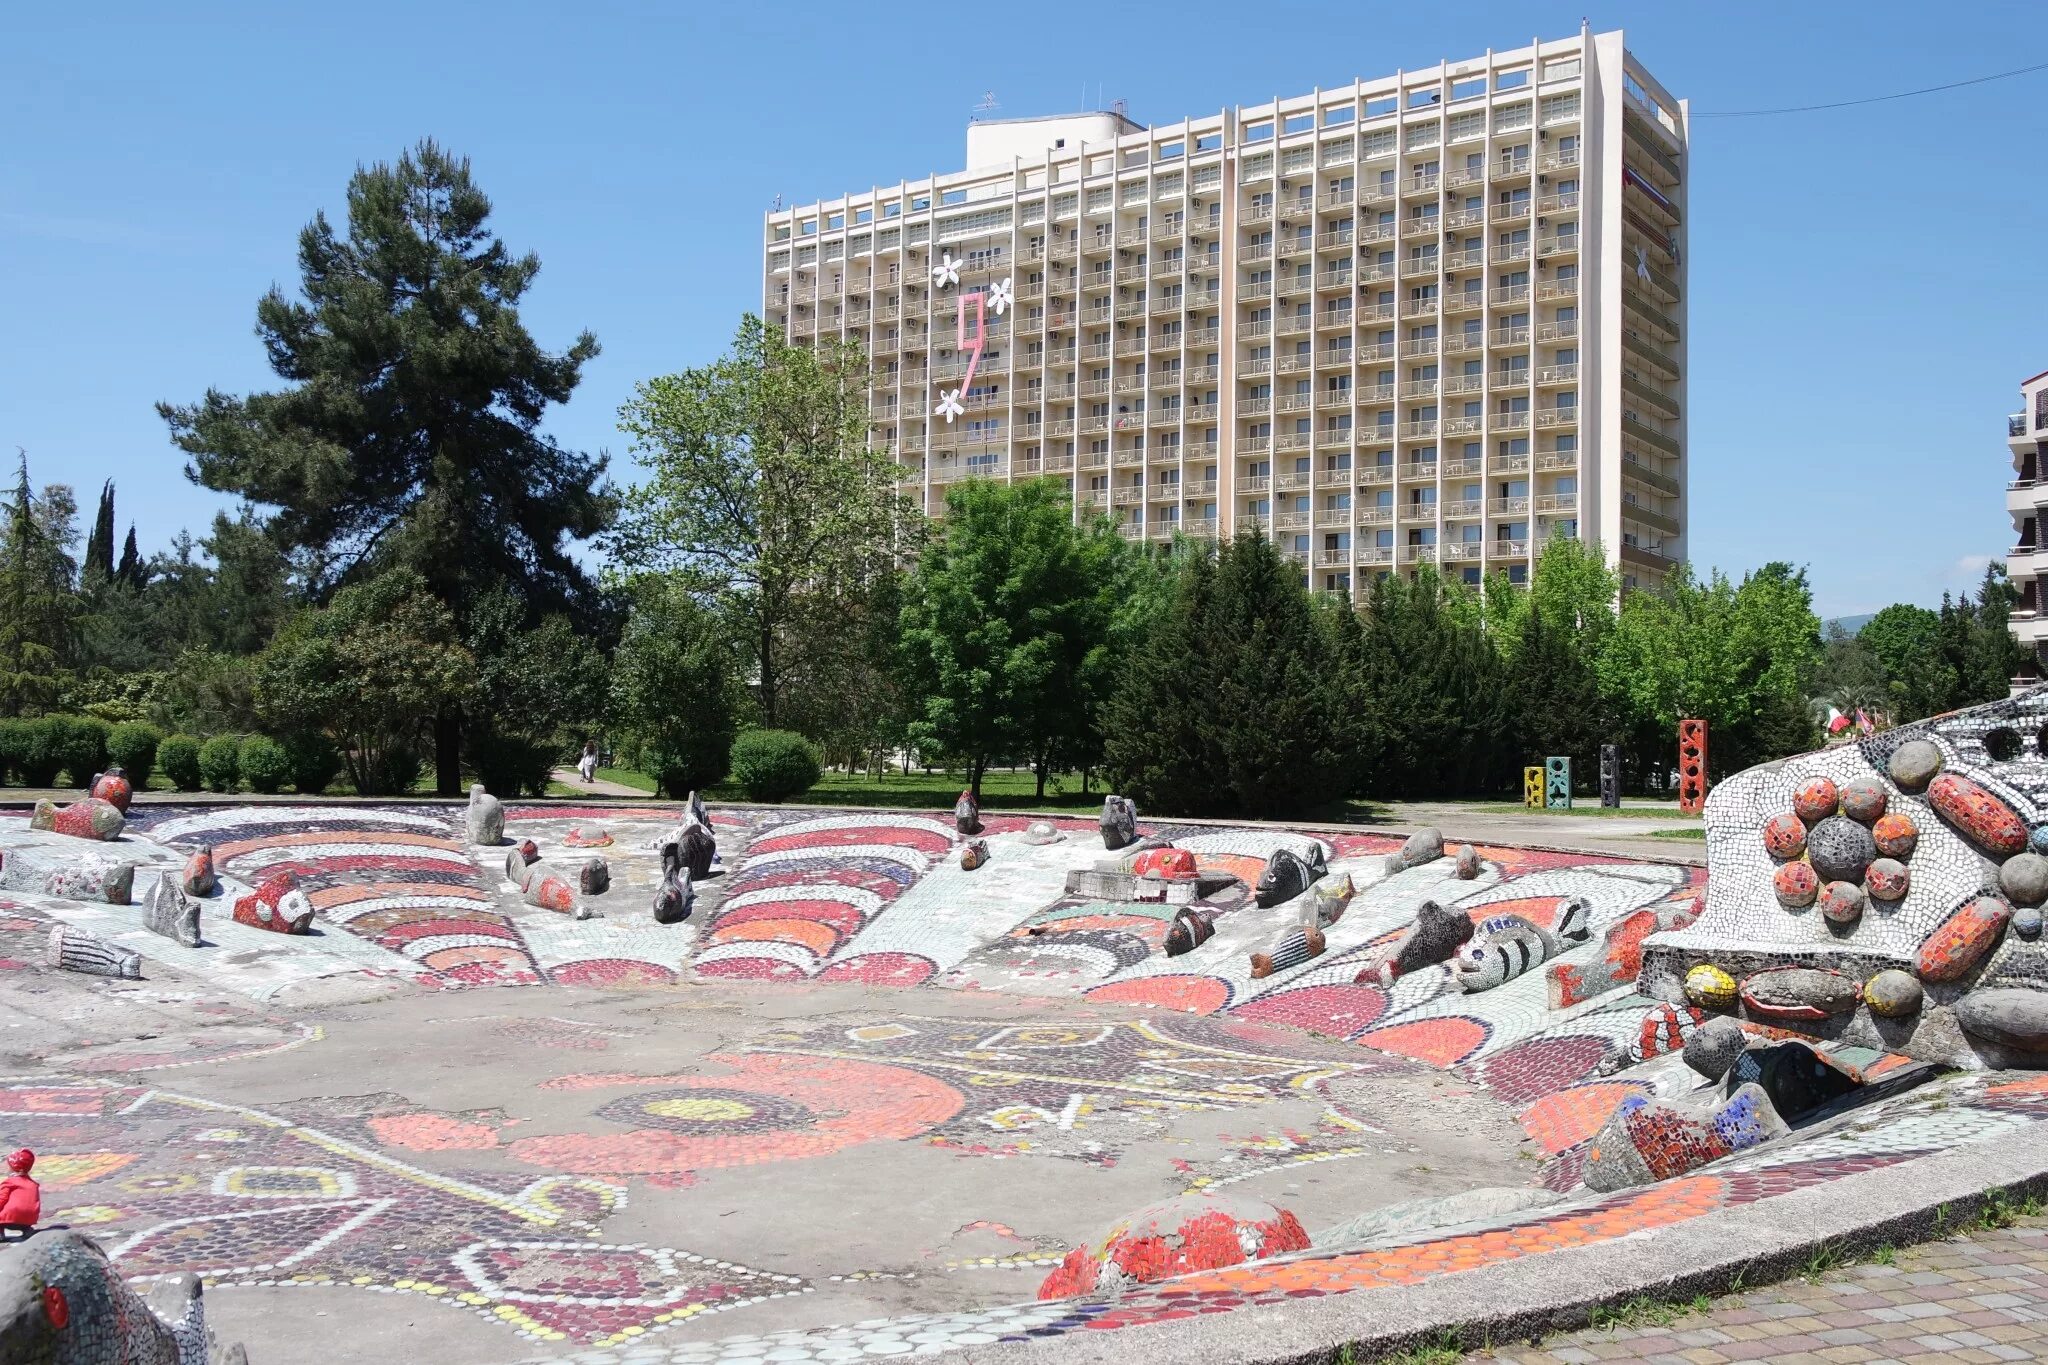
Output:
[[1722, 1252]]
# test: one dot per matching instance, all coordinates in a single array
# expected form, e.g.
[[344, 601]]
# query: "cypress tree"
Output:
[[99, 546], [132, 571]]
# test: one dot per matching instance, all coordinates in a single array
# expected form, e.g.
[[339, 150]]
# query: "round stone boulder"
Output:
[[1795, 885], [1864, 800], [1710, 988], [1714, 1046], [1893, 994], [1842, 902], [2009, 1016], [1815, 800], [1784, 836], [1042, 832], [1914, 764], [2026, 922], [1895, 835], [1840, 849], [1887, 880], [2024, 879]]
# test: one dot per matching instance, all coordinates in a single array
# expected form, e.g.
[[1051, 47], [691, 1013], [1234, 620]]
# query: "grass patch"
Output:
[[1699, 834], [1445, 1347], [1644, 1311]]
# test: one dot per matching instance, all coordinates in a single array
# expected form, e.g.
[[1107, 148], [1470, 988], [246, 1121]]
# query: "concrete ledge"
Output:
[[1745, 1246]]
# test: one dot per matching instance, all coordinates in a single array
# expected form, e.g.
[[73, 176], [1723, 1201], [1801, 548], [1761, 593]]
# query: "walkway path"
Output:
[[568, 778], [1977, 1298]]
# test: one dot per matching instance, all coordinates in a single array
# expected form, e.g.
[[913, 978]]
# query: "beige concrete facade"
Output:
[[1435, 317], [2026, 499]]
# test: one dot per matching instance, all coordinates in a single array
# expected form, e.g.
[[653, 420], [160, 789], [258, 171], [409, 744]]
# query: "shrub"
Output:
[[264, 763], [219, 763], [43, 752], [774, 765], [83, 744], [133, 745], [511, 765], [314, 761], [178, 755], [13, 747], [390, 772]]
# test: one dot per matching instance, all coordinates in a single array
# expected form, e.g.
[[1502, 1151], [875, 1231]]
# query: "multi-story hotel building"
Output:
[[1437, 317], [2026, 498]]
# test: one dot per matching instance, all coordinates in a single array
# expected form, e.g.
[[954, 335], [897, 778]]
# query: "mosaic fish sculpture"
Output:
[[1287, 874], [1191, 928], [63, 1303], [112, 787], [1434, 936], [91, 818], [973, 854], [1505, 946], [277, 905], [200, 879], [675, 897]]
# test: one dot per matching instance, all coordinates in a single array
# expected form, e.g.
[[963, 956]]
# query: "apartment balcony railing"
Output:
[[1197, 489], [1419, 265], [1418, 554], [1252, 483], [1508, 295], [1509, 336], [1552, 503], [2016, 424], [1558, 161], [1511, 421], [1462, 425], [1513, 212], [1462, 469], [1371, 474], [1630, 427], [1428, 225], [1417, 431], [1508, 507], [1547, 418], [1461, 509], [1375, 516], [1510, 549], [1419, 308], [1464, 301]]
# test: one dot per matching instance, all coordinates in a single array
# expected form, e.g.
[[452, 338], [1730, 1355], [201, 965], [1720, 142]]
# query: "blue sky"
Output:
[[1868, 286]]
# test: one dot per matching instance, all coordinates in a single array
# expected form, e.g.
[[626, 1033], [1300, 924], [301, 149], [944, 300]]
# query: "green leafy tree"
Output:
[[39, 605], [1005, 628], [763, 495], [409, 435], [673, 687], [534, 687], [1431, 673], [1230, 706], [1851, 676], [368, 670], [1906, 643], [1976, 641]]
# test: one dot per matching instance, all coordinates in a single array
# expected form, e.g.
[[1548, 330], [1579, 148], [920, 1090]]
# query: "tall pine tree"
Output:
[[409, 435], [99, 546]]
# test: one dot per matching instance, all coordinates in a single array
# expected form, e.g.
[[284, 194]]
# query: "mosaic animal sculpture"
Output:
[[112, 787], [1165, 864], [1505, 946], [169, 912], [80, 877], [1179, 1236], [1190, 929], [485, 816], [973, 854], [1294, 948], [91, 818], [63, 1303], [594, 877], [1287, 874], [967, 814], [1646, 1140], [1119, 822], [675, 897], [1329, 898], [277, 905], [200, 879], [74, 950], [547, 889], [1432, 938]]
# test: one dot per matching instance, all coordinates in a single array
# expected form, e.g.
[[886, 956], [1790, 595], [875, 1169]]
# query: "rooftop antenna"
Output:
[[1120, 108], [988, 103], [778, 205]]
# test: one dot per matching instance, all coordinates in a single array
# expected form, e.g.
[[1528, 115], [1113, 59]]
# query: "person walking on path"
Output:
[[586, 766]]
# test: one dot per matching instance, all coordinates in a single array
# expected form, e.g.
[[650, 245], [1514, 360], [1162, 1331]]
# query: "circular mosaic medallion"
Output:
[[705, 1113]]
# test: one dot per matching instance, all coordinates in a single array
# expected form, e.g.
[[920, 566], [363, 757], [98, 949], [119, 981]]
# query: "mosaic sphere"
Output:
[[1796, 885], [1895, 835], [1842, 902], [1784, 836], [2026, 922], [2037, 839], [1710, 988], [1887, 880], [1892, 994], [2024, 879], [1864, 800], [1840, 849], [1815, 800], [1914, 764]]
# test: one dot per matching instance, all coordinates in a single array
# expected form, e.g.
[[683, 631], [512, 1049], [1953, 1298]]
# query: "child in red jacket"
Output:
[[21, 1199]]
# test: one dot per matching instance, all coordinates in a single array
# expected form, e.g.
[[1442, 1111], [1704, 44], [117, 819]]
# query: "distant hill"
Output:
[[1849, 624]]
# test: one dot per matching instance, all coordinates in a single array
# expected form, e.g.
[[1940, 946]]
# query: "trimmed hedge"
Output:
[[179, 757], [43, 751], [314, 761], [133, 745], [774, 765], [84, 745], [264, 763], [220, 763], [14, 743]]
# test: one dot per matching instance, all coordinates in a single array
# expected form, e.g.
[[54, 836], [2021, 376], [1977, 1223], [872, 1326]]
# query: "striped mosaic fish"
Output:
[[1507, 945]]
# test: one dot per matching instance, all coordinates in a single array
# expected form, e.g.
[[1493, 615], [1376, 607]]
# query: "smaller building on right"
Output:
[[2026, 498]]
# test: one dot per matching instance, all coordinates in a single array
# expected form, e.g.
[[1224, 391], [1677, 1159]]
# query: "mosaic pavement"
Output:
[[480, 1209]]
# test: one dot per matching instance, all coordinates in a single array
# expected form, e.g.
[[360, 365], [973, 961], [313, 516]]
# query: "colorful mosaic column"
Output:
[[1532, 788], [1557, 783], [1692, 766], [1610, 776]]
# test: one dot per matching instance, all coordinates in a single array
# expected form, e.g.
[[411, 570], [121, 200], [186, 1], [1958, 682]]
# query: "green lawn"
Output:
[[1697, 832], [1588, 809]]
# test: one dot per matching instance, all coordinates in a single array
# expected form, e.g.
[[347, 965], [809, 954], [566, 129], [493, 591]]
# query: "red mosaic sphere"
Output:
[[1895, 835], [1842, 902], [1816, 799], [1167, 864], [1796, 885], [1784, 836]]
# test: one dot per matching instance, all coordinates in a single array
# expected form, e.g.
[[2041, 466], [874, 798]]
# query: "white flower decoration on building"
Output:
[[946, 272], [949, 405], [999, 297]]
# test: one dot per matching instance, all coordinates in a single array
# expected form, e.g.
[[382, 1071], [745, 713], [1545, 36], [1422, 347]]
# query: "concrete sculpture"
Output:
[[74, 950], [169, 912], [1119, 822], [91, 818], [967, 814], [199, 878], [675, 897], [486, 817]]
